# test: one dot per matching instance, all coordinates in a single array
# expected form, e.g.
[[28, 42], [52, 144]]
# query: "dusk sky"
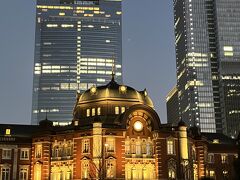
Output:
[[148, 54]]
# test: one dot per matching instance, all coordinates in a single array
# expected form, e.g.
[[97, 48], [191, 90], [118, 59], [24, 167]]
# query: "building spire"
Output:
[[113, 69], [46, 118]]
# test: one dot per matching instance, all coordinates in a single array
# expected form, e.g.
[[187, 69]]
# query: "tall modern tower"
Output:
[[76, 45], [207, 49]]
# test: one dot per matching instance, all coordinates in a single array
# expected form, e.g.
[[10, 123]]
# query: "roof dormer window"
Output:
[[117, 110]]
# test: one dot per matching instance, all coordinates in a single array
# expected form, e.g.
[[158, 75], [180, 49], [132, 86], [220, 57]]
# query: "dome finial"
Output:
[[113, 69]]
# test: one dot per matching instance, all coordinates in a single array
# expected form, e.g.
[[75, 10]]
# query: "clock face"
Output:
[[138, 126]]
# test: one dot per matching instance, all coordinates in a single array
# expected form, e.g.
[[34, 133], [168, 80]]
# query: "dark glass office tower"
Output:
[[207, 44], [76, 45]]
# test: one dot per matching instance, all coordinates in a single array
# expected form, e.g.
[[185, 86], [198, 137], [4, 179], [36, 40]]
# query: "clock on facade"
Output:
[[138, 126]]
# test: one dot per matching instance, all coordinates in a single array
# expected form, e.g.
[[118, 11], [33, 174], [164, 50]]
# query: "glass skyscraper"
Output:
[[228, 43], [208, 61], [194, 65], [76, 45]]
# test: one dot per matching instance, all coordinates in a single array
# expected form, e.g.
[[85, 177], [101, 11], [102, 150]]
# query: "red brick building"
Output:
[[115, 134]]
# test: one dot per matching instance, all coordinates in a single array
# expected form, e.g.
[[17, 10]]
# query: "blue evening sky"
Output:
[[148, 54]]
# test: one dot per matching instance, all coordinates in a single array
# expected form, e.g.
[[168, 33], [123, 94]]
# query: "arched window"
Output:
[[85, 169], [144, 146], [133, 146], [111, 168], [172, 169], [5, 173], [149, 148], [37, 171], [138, 147], [23, 173], [127, 146]]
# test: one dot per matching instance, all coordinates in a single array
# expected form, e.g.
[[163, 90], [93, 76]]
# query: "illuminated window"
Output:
[[212, 173], [110, 144], [111, 168], [75, 123], [224, 158], [52, 25], [98, 111], [8, 132], [85, 169], [116, 110], [149, 148], [88, 112], [85, 146], [138, 147], [171, 174], [93, 111], [228, 53], [6, 154], [228, 48], [210, 158], [127, 146], [133, 146], [144, 146], [123, 109], [61, 14], [37, 171], [93, 90], [23, 174], [5, 173], [170, 146], [38, 151], [24, 154], [225, 173]]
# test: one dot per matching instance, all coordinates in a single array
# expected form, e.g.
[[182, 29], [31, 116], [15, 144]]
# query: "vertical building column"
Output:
[[15, 163], [183, 148], [183, 143]]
